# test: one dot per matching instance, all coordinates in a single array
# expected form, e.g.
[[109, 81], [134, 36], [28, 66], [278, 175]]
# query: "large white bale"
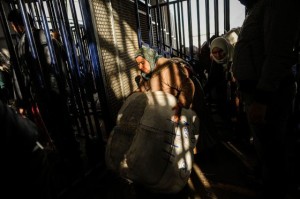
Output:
[[148, 148]]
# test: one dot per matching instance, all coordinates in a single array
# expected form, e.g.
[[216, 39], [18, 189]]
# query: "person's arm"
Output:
[[185, 87], [138, 80]]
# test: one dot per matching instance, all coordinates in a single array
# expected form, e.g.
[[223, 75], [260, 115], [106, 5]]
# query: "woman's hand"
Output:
[[177, 114]]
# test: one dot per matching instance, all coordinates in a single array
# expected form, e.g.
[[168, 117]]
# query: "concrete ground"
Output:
[[218, 173], [225, 169]]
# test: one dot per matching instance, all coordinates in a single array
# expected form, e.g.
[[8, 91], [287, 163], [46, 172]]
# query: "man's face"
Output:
[[143, 64], [18, 29]]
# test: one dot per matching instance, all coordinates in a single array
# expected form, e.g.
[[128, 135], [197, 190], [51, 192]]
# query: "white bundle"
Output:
[[148, 148]]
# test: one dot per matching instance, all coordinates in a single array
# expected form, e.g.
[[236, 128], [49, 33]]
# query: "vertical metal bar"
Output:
[[169, 26], [162, 21], [37, 13], [183, 30], [82, 93], [74, 101], [227, 15], [51, 15], [159, 27], [189, 7], [13, 6], [176, 31], [29, 6], [64, 34], [216, 9], [50, 46], [149, 17], [207, 20], [156, 27], [70, 57], [95, 59], [55, 18], [82, 53], [50, 18], [138, 23], [48, 36], [164, 26], [77, 31], [89, 94], [198, 25], [179, 29], [162, 32], [68, 37], [31, 42]]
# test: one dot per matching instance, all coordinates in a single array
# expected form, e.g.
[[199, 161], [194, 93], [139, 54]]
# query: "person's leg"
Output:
[[270, 142]]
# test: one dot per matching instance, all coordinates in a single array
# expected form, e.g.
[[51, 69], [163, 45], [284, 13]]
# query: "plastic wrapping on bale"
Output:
[[147, 147]]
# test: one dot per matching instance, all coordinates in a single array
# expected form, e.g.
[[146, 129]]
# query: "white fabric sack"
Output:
[[148, 148]]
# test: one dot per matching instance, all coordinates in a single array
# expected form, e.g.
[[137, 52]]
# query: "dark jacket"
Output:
[[263, 55], [25, 169]]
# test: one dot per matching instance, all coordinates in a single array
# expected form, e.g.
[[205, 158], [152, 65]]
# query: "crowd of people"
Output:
[[34, 94], [251, 71]]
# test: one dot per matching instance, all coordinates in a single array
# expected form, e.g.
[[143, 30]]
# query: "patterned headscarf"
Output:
[[151, 56]]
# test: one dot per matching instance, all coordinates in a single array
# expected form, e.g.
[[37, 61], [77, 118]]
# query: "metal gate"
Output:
[[72, 21]]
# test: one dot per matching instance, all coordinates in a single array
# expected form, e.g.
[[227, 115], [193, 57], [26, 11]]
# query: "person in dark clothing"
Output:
[[262, 66], [216, 85], [45, 89], [219, 88], [26, 171], [5, 79]]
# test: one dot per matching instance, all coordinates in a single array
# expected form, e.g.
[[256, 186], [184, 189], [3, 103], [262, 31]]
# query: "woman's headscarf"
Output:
[[150, 55], [222, 43]]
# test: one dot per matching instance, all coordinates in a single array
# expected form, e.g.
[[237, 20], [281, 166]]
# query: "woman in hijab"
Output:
[[168, 75], [220, 86], [221, 51]]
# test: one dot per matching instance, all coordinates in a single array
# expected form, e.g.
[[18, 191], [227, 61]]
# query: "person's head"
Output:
[[146, 58], [55, 34], [220, 50], [143, 64], [248, 3], [16, 20]]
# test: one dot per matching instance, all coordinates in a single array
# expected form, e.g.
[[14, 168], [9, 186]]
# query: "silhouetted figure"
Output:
[[6, 92], [263, 68], [26, 171], [46, 90]]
